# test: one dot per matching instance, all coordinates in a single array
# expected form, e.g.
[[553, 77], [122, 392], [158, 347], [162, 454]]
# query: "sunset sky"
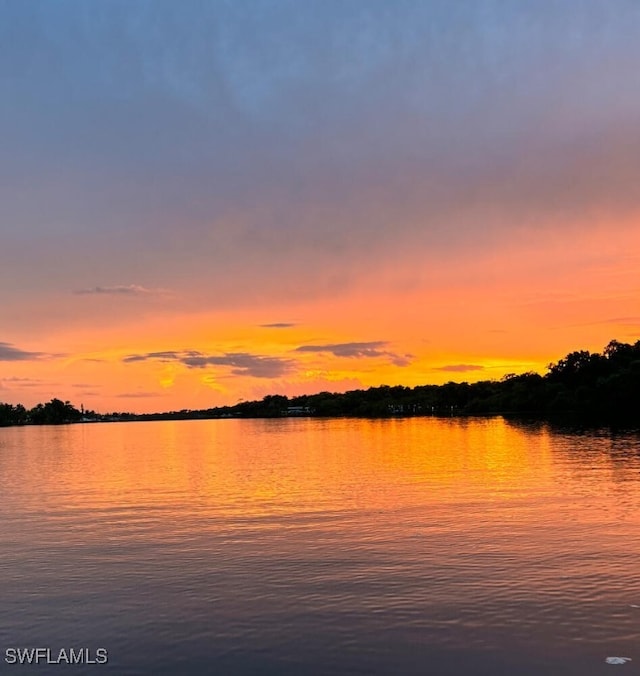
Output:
[[207, 201]]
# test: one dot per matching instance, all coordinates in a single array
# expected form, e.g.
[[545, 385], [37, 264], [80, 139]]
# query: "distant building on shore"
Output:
[[298, 410]]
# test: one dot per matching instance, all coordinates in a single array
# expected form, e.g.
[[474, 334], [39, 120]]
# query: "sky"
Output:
[[209, 201]]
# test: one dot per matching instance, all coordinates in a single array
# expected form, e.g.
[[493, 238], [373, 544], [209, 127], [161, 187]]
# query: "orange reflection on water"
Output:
[[478, 492], [285, 465], [456, 532]]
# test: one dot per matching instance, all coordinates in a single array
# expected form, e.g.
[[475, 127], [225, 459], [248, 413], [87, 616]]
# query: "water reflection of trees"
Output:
[[586, 448]]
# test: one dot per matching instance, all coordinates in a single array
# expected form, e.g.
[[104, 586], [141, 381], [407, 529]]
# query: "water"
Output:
[[418, 546]]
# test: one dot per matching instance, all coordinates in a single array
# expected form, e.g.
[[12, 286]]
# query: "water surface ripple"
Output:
[[417, 546]]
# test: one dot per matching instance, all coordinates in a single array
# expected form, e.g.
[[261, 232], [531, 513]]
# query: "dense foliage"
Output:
[[54, 412], [601, 386]]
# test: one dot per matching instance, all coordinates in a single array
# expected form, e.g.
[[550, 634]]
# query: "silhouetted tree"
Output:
[[54, 412]]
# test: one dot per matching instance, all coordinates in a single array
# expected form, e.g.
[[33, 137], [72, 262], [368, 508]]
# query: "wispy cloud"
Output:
[[240, 363], [10, 353], [119, 290], [244, 364], [459, 368], [138, 395], [278, 325], [625, 321], [165, 355], [12, 383], [359, 349]]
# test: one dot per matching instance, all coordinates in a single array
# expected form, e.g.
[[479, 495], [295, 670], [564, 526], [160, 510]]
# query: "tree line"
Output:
[[596, 386], [54, 412]]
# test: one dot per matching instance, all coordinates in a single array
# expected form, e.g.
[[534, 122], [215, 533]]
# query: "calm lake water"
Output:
[[295, 546]]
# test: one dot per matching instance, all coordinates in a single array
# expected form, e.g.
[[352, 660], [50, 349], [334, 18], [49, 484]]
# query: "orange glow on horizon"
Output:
[[491, 311]]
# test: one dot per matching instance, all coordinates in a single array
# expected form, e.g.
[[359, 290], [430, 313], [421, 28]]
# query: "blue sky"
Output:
[[210, 156]]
